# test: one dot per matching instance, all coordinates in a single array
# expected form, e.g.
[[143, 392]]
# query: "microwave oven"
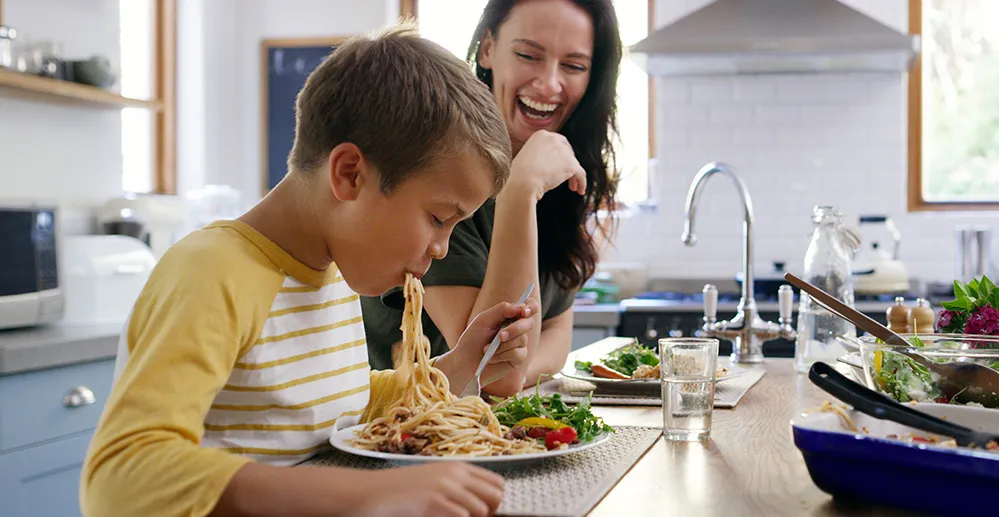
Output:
[[30, 290]]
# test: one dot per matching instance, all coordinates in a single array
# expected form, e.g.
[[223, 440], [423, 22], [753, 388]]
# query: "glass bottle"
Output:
[[828, 267]]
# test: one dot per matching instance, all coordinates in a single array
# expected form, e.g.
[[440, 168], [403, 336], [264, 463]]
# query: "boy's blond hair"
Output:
[[405, 101]]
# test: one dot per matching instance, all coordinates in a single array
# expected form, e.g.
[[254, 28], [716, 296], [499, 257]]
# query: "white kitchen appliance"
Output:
[[103, 275], [877, 268], [727, 37], [157, 220]]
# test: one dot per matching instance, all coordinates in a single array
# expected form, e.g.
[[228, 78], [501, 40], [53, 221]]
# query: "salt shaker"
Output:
[[921, 317], [898, 316]]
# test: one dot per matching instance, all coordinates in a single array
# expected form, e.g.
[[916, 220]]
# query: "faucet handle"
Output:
[[710, 303], [785, 303]]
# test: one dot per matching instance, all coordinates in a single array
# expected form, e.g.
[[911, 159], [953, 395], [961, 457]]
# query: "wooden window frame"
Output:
[[164, 94], [165, 120], [916, 202], [410, 8]]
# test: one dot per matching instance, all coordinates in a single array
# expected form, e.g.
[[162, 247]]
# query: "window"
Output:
[[451, 24], [954, 115], [147, 38]]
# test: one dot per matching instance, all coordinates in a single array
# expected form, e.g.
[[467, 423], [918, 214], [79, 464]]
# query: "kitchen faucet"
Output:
[[746, 330]]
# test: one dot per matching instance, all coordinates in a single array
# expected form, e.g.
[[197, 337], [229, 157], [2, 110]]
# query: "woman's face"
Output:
[[540, 59]]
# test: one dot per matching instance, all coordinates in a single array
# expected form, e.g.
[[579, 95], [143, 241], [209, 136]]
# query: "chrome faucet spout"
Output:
[[746, 329], [694, 194]]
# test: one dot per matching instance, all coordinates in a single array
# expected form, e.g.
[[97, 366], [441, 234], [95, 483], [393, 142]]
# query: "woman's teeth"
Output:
[[537, 110]]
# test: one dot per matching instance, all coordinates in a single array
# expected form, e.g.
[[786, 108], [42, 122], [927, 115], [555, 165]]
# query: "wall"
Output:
[[796, 141], [70, 155], [224, 144]]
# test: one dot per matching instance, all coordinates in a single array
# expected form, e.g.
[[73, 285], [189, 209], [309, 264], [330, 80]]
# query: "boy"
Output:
[[247, 342]]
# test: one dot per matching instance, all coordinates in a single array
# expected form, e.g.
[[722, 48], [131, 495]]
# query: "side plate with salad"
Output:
[[617, 360]]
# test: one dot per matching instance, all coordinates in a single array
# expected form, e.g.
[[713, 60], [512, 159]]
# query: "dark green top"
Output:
[[465, 264]]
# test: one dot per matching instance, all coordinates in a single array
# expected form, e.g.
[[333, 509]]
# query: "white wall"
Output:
[[797, 141], [67, 154], [221, 105]]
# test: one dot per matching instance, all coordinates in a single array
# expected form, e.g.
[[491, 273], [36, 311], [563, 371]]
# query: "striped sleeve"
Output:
[[197, 314]]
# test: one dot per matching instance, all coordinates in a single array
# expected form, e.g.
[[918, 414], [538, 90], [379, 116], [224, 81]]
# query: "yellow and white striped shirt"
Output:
[[234, 352]]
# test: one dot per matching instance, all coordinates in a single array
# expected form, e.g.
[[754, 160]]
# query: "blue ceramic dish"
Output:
[[919, 477]]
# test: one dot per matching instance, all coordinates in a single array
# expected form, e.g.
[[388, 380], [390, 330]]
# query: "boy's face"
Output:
[[390, 235]]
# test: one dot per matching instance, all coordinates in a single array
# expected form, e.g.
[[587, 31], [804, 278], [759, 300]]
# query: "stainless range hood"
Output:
[[730, 37]]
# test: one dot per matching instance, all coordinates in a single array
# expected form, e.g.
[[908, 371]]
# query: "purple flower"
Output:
[[984, 321], [944, 321]]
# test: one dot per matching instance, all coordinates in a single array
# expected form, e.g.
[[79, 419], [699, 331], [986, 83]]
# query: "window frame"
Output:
[[165, 120], [165, 94], [916, 202], [411, 8]]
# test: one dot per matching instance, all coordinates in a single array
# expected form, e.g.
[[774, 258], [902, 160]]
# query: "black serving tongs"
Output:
[[874, 404]]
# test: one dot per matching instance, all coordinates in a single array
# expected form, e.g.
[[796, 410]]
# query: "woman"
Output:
[[552, 66]]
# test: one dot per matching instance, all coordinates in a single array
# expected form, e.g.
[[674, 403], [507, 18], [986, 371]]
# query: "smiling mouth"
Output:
[[536, 110]]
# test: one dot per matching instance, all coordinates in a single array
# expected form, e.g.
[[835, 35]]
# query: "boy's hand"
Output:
[[443, 489], [460, 363], [545, 162]]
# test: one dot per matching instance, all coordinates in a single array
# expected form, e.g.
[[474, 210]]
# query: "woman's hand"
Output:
[[545, 162]]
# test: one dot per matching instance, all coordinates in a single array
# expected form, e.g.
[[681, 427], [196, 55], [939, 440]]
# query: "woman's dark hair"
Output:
[[566, 249]]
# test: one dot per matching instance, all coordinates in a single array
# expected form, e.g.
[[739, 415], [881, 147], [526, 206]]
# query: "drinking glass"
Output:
[[687, 370]]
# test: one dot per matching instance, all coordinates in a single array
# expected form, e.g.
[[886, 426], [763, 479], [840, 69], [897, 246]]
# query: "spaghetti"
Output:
[[429, 419]]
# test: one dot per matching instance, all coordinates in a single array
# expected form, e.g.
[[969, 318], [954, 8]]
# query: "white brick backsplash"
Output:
[[777, 114], [711, 91], [755, 90], [753, 137], [671, 91], [796, 141], [731, 115], [687, 115]]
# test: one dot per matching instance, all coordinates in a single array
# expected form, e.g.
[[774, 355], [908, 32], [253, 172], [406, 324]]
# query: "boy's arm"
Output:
[[145, 457]]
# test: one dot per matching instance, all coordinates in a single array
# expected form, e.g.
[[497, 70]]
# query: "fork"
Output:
[[474, 387]]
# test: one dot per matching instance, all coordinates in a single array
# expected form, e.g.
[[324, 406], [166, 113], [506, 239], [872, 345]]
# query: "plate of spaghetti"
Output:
[[429, 423]]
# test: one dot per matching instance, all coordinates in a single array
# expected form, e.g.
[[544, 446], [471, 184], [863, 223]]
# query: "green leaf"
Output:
[[973, 288], [986, 283], [962, 304], [960, 290]]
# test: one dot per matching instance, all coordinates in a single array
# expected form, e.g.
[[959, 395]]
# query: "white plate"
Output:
[[596, 351], [342, 439]]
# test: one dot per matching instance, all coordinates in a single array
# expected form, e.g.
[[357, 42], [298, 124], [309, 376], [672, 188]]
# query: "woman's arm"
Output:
[[545, 161]]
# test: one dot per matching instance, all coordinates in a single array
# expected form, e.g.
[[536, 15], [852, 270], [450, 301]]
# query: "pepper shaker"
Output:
[[921, 317], [897, 316]]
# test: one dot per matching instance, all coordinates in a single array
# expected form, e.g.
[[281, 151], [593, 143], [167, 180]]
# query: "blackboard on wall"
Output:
[[285, 64]]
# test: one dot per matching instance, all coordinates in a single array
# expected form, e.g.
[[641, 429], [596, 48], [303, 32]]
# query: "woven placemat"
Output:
[[727, 394], [563, 486]]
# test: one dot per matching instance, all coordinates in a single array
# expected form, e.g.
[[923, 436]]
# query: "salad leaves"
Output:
[[516, 408], [904, 379], [625, 360]]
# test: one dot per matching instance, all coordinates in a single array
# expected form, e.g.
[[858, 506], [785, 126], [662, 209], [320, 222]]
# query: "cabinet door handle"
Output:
[[78, 396]]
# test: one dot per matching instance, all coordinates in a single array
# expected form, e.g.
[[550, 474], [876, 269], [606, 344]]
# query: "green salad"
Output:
[[906, 380], [534, 411], [624, 360]]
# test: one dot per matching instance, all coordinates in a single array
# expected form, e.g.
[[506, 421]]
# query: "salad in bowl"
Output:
[[889, 370]]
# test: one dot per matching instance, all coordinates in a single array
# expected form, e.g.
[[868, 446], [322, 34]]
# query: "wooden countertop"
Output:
[[750, 466]]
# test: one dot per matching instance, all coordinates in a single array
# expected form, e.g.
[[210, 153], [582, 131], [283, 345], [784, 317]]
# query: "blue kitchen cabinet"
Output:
[[47, 418]]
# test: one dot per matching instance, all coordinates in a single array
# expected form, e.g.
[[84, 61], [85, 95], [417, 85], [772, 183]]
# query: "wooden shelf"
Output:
[[44, 89]]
